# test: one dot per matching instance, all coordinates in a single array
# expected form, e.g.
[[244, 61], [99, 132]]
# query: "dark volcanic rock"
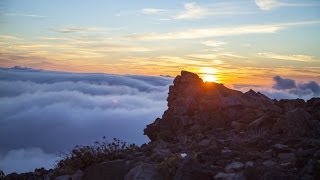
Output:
[[108, 170], [281, 138], [192, 102]]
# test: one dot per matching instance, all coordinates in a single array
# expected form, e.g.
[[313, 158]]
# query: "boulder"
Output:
[[190, 169], [107, 170], [269, 163], [63, 177], [144, 171], [286, 158], [204, 143], [229, 176], [78, 175], [238, 126], [234, 166], [298, 123]]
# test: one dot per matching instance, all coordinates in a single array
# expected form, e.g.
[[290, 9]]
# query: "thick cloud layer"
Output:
[[281, 83], [310, 88], [285, 89], [43, 113]]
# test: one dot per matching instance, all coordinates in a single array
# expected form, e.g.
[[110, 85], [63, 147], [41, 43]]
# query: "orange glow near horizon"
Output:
[[208, 74]]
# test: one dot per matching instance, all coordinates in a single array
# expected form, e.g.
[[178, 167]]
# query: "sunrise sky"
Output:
[[244, 42]]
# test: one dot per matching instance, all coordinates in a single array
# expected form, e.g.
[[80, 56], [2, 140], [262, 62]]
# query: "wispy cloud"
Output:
[[215, 56], [75, 29], [152, 11], [63, 48], [192, 11], [294, 57], [267, 4], [217, 32], [24, 15], [214, 43], [271, 4], [208, 32], [6, 37], [83, 29]]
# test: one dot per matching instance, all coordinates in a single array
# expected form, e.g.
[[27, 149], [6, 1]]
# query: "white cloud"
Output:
[[83, 29], [192, 11], [293, 57], [209, 32], [24, 15], [214, 43], [215, 56], [271, 4], [204, 56], [55, 111], [267, 4], [153, 11], [5, 37], [217, 32]]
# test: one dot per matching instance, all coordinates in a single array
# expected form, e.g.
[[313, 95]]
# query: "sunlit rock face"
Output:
[[208, 105]]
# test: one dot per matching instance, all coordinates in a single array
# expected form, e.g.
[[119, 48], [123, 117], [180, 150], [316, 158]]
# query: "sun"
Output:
[[209, 78], [208, 74]]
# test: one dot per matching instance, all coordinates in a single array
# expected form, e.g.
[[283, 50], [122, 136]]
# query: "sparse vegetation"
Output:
[[169, 166], [83, 156]]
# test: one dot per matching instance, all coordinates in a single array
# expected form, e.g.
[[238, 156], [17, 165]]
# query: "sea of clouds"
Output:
[[46, 113]]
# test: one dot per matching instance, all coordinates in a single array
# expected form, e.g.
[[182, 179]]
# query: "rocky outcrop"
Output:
[[193, 103], [212, 132], [240, 135]]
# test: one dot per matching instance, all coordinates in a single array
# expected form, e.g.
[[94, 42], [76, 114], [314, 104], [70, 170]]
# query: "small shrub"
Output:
[[169, 166], [83, 156]]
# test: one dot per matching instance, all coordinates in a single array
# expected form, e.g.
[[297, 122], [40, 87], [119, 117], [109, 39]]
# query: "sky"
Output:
[[237, 42], [84, 69]]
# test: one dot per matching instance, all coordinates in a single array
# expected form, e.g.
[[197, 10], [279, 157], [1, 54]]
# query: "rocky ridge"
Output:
[[212, 132]]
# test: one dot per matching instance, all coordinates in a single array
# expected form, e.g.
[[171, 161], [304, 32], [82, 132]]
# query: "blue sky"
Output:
[[239, 40]]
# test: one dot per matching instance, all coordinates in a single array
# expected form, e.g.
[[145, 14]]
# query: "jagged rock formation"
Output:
[[195, 106], [278, 138], [212, 132]]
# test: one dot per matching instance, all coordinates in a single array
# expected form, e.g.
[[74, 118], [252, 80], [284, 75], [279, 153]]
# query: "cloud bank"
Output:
[[301, 89], [281, 83], [43, 113], [285, 88]]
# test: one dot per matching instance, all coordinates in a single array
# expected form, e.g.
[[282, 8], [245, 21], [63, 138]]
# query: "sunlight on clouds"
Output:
[[214, 43], [219, 32], [209, 32], [215, 55], [293, 57], [82, 29]]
